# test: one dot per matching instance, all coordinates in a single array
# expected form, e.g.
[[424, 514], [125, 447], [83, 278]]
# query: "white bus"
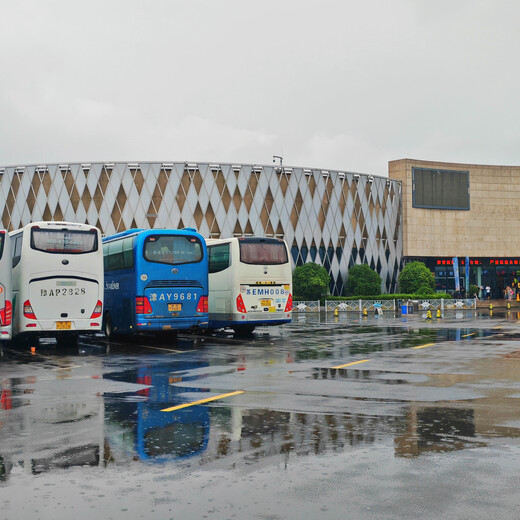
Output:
[[57, 281], [6, 308], [250, 283]]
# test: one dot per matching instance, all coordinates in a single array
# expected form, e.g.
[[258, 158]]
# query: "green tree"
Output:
[[362, 281], [310, 282], [416, 278]]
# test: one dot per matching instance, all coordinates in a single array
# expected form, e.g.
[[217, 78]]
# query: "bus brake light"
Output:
[[288, 306], [202, 305], [142, 305], [6, 314], [240, 304], [28, 311], [98, 309]]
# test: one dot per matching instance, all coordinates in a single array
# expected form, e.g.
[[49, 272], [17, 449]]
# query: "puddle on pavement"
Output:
[[126, 427]]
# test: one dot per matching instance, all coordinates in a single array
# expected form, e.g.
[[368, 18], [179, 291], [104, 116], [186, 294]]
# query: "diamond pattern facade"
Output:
[[336, 219]]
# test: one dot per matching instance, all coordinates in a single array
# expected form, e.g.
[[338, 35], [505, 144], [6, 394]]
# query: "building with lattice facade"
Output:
[[334, 218]]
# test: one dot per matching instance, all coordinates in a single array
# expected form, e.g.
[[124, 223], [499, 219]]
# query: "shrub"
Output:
[[310, 282], [416, 276], [362, 281]]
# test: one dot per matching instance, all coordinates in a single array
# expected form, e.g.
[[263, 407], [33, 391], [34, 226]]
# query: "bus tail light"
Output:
[[240, 304], [6, 314], [98, 309], [142, 305], [202, 305], [28, 310], [288, 306]]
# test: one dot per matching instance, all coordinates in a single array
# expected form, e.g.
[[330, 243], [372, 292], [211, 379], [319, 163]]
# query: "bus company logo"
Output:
[[111, 286], [243, 289]]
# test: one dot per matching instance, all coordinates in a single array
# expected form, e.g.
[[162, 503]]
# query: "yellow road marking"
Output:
[[202, 401], [424, 346], [353, 363], [466, 335]]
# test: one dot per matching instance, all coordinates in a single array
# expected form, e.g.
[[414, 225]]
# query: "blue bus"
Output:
[[155, 280]]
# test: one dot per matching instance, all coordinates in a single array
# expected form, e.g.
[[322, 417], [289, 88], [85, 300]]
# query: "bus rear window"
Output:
[[64, 241], [263, 252], [172, 250]]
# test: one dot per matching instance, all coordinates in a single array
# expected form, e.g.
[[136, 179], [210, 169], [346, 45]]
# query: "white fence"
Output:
[[306, 306], [386, 305], [360, 305]]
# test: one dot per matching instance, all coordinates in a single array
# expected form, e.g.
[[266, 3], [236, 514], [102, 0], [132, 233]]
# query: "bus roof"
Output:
[[136, 231]]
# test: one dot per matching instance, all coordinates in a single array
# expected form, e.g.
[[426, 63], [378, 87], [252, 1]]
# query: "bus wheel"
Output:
[[244, 330], [66, 340], [107, 326]]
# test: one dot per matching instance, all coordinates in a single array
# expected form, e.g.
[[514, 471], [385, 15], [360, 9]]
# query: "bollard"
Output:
[[490, 306], [428, 315], [336, 312], [365, 312], [439, 315], [508, 305]]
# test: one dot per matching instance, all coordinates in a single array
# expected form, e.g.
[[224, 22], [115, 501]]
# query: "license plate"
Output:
[[63, 325], [174, 307], [265, 303]]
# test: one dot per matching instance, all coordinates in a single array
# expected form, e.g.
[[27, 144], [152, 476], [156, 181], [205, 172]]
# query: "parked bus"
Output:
[[155, 280], [6, 308], [57, 281], [250, 283]]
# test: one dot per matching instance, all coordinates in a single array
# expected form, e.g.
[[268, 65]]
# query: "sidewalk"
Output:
[[498, 304]]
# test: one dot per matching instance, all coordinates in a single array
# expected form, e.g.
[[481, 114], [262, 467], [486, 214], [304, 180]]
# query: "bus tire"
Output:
[[244, 330], [108, 328]]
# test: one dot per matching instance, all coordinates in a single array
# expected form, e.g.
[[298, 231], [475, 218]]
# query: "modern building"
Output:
[[464, 211], [334, 218]]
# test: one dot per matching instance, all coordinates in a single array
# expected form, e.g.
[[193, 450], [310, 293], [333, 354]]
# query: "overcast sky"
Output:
[[337, 84]]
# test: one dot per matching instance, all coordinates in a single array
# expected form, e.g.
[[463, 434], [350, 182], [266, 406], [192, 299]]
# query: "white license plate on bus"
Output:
[[174, 307], [265, 303], [63, 325]]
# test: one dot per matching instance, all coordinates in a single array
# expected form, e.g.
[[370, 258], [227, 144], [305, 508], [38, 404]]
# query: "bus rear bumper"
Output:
[[153, 325]]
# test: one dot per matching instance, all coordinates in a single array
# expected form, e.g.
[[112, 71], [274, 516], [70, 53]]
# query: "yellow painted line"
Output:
[[202, 401], [466, 335], [424, 346], [353, 363]]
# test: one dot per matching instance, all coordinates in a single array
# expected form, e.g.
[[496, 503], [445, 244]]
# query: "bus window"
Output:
[[17, 248], [265, 253], [218, 258], [63, 241], [172, 250]]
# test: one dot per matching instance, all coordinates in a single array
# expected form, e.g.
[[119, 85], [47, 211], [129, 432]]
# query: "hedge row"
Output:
[[435, 296]]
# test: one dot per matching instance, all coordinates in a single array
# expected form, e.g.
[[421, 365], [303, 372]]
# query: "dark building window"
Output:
[[440, 189]]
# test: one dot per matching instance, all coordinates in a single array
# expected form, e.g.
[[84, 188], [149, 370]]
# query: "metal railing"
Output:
[[359, 305], [306, 306]]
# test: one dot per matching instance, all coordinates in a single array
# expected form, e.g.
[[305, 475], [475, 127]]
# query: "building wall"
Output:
[[487, 230], [336, 219]]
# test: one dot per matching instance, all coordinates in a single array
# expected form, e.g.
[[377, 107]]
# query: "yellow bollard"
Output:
[[336, 312], [490, 306], [428, 315], [508, 305], [365, 312], [439, 315]]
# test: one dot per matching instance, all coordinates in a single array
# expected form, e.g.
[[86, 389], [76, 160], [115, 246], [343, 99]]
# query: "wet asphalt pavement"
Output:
[[327, 417]]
